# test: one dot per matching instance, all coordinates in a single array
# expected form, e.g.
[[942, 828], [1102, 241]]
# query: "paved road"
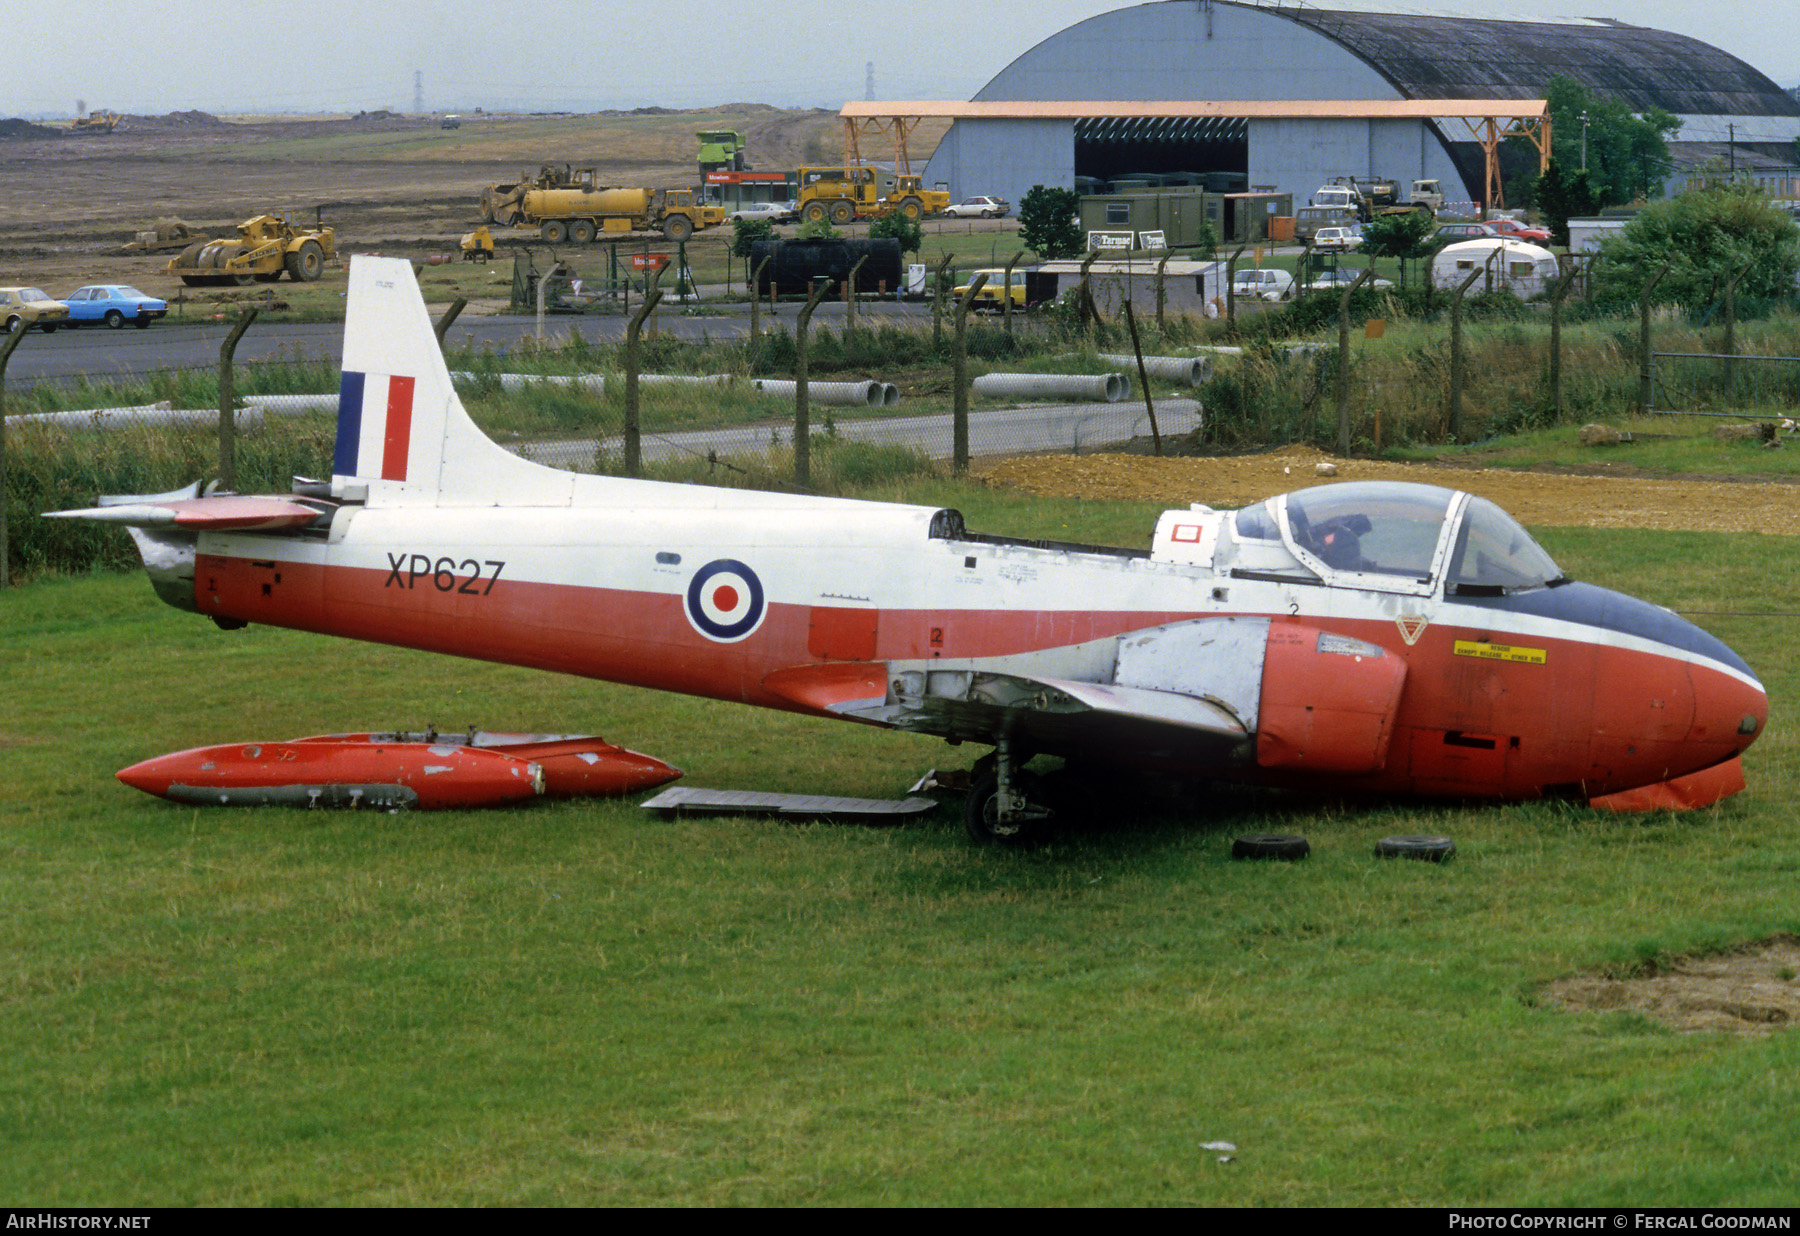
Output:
[[1074, 427], [97, 353]]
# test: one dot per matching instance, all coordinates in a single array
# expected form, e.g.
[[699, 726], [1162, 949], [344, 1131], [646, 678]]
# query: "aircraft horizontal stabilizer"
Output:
[[227, 513]]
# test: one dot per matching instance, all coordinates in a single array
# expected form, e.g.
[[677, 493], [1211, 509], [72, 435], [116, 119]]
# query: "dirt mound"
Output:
[[1541, 498], [24, 130], [192, 118], [1749, 993]]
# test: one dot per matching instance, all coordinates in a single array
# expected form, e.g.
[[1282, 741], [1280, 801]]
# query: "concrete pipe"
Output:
[[685, 379], [1193, 370], [833, 394], [890, 395], [514, 382], [1101, 387], [134, 417], [294, 405]]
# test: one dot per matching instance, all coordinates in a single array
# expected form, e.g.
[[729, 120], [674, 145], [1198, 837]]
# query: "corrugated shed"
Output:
[[1461, 58]]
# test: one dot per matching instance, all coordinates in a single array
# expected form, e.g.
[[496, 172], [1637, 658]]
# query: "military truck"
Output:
[[1377, 195]]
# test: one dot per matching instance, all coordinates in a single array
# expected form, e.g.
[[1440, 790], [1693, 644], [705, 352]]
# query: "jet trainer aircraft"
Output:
[[1381, 637]]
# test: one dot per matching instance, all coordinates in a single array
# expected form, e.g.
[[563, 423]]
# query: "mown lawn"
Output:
[[579, 1003]]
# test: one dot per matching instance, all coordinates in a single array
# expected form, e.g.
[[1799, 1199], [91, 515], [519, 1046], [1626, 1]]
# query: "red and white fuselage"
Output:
[[1388, 638]]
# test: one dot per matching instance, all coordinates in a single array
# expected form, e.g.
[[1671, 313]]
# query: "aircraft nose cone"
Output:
[[1729, 713]]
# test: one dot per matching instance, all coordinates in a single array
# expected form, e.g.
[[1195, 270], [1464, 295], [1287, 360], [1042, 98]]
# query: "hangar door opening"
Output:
[[1146, 152]]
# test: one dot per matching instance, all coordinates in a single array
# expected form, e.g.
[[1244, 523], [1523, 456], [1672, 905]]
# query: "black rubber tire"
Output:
[[554, 232], [842, 213], [13, 323], [114, 319], [142, 323], [912, 208], [1285, 846], [307, 262], [815, 212], [677, 228], [581, 231], [1426, 849], [978, 815]]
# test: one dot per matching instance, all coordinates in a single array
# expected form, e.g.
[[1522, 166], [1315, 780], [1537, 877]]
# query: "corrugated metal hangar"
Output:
[[1059, 114]]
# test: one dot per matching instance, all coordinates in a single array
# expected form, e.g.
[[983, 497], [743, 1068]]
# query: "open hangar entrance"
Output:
[[1211, 152]]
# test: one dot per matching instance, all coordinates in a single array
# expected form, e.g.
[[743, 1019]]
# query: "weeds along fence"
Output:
[[1517, 372], [1724, 384]]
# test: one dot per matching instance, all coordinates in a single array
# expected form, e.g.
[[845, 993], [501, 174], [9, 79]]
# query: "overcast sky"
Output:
[[584, 55]]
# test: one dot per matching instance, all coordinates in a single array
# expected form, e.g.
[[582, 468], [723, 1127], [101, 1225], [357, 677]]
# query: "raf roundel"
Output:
[[725, 600]]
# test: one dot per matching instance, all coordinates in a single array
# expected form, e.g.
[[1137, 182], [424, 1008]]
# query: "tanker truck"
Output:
[[582, 210]]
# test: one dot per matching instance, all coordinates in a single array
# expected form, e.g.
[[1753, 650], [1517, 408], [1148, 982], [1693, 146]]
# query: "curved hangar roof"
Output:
[[1457, 57]]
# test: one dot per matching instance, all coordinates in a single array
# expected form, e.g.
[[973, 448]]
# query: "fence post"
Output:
[[802, 401], [6, 350], [1456, 353], [450, 315], [756, 296], [1006, 299], [1230, 291], [227, 397], [1557, 294], [1088, 312], [1646, 370], [1143, 377], [1731, 331], [959, 380], [1343, 362], [937, 303], [850, 300], [1162, 325], [634, 453]]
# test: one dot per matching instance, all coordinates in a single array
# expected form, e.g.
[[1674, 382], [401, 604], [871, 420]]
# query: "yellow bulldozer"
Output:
[[263, 249]]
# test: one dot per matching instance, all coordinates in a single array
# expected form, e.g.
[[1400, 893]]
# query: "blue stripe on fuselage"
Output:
[[1607, 610]]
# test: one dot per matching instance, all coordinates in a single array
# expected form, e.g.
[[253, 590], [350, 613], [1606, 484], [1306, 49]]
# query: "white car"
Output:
[[1335, 240], [979, 208], [1263, 285], [773, 212]]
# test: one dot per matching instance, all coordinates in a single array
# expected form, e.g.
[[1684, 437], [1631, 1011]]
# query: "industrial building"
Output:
[[1283, 98]]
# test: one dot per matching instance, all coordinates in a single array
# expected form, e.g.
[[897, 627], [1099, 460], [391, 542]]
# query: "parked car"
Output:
[[772, 212], [1337, 280], [979, 208], [115, 304], [989, 296], [1335, 240], [1263, 285], [1514, 230], [1452, 233], [24, 308]]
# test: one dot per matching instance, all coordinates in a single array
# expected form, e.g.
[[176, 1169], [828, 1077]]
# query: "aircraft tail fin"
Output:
[[403, 436]]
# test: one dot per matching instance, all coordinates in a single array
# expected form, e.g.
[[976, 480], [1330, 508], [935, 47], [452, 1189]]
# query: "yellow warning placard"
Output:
[[1499, 652]]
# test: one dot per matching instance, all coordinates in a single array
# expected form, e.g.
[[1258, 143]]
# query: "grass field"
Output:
[[580, 1004]]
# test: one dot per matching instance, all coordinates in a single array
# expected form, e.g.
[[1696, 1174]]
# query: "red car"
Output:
[[1514, 230]]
